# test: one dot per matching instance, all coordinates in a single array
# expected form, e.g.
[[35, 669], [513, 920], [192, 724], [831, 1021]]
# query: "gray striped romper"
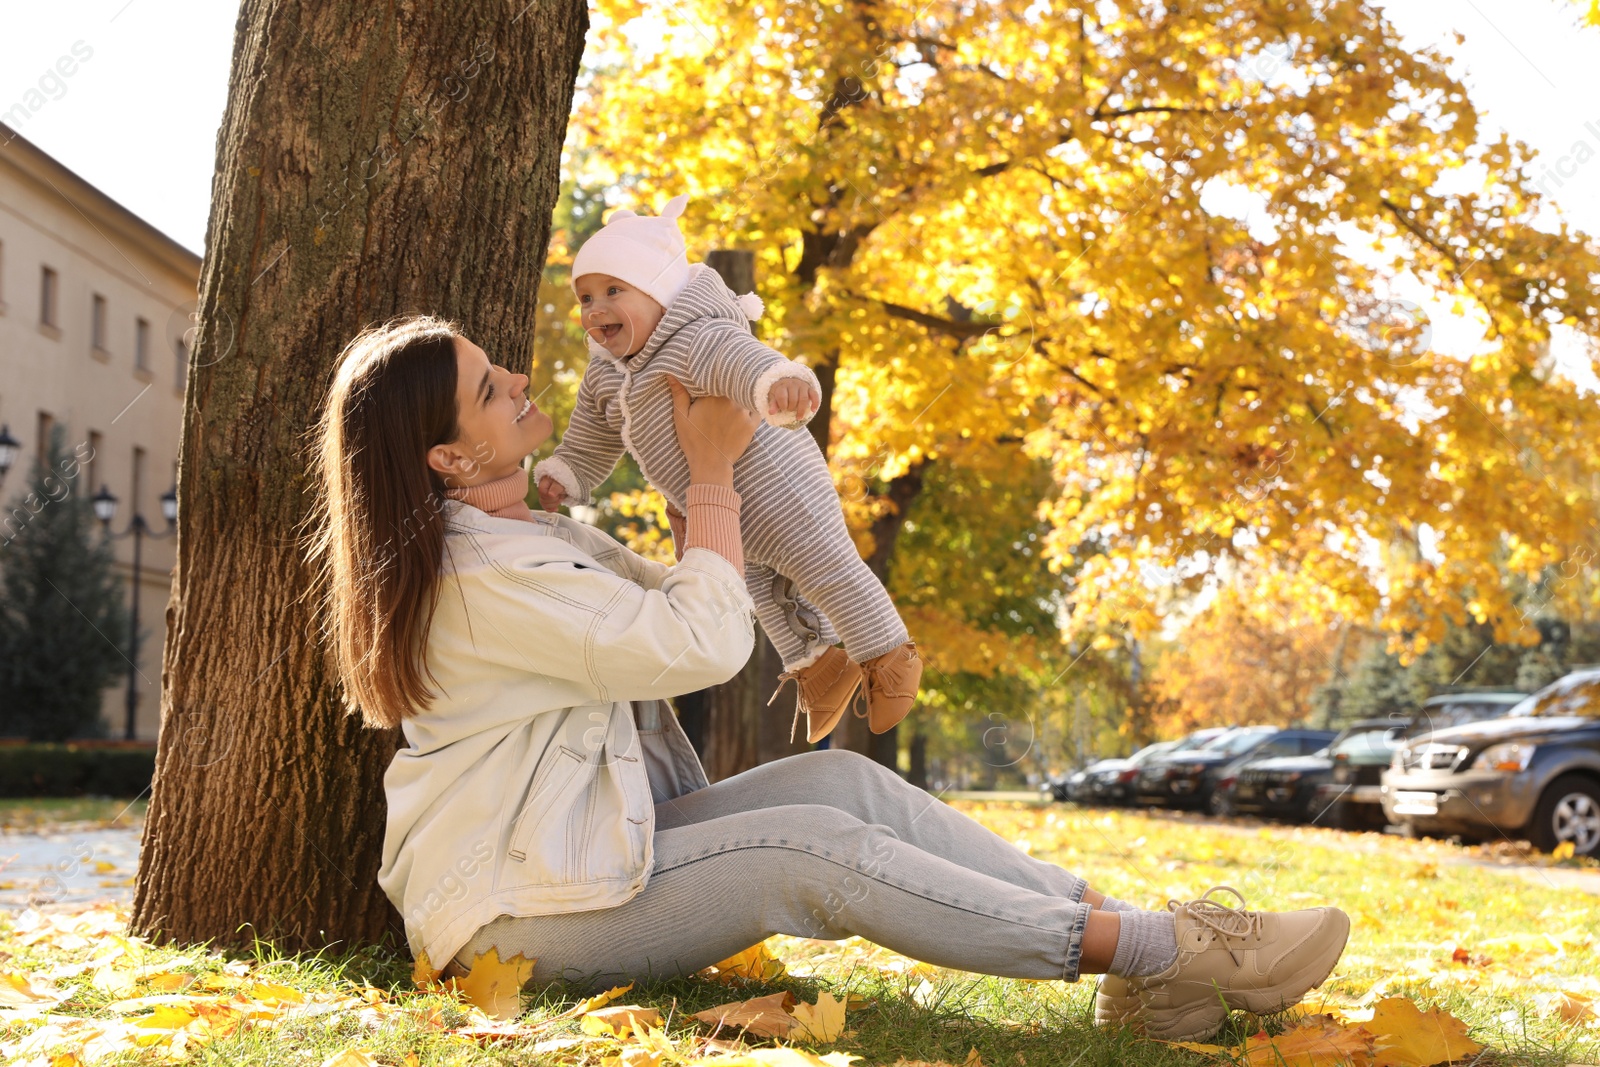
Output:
[[810, 586]]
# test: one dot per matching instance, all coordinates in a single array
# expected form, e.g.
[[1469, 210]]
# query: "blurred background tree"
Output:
[[1113, 307], [63, 619]]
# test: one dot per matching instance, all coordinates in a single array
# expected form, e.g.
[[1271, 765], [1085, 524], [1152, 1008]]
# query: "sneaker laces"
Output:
[[1224, 920]]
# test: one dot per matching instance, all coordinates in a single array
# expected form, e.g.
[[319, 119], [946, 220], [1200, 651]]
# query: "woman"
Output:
[[547, 802]]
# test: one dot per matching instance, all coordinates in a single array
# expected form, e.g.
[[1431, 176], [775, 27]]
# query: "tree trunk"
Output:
[[371, 161], [903, 492]]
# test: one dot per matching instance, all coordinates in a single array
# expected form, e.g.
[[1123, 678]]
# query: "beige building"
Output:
[[94, 307]]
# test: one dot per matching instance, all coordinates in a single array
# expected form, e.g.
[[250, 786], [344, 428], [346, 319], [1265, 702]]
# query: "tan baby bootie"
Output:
[[891, 686], [825, 689]]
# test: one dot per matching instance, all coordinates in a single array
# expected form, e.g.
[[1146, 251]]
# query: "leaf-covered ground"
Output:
[[1446, 955]]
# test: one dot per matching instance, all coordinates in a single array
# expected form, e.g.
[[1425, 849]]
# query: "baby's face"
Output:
[[617, 315]]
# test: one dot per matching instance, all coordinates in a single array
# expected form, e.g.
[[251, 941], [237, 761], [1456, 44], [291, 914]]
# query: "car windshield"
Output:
[[1458, 713], [1365, 745], [1199, 739], [1235, 743], [1150, 752], [1576, 694]]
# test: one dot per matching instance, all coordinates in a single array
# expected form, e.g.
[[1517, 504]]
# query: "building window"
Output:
[[91, 469], [141, 345], [47, 422], [2, 277], [180, 369], [97, 324], [47, 297]]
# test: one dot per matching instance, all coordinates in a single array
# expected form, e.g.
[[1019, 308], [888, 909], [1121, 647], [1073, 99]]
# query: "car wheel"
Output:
[[1568, 811], [1218, 804]]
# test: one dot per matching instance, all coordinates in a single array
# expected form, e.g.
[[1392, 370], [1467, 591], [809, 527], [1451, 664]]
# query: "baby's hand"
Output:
[[794, 397], [551, 493]]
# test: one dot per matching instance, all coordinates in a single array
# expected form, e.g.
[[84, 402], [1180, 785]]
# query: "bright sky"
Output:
[[139, 117]]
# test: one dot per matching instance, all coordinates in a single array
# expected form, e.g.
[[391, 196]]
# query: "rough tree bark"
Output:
[[372, 160]]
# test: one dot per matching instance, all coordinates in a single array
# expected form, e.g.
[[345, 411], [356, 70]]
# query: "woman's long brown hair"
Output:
[[376, 529]]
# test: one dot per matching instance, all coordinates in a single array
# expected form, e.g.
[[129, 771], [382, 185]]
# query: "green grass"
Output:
[[36, 813], [1413, 904]]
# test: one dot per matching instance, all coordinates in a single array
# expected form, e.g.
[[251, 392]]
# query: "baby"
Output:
[[650, 314]]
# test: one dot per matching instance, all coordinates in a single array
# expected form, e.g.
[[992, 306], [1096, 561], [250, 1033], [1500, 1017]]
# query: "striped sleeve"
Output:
[[588, 451], [725, 360]]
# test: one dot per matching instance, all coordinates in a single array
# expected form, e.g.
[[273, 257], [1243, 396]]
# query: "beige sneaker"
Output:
[[1230, 958], [824, 691], [891, 686], [1116, 1001]]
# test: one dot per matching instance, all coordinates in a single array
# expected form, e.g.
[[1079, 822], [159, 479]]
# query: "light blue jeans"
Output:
[[823, 844]]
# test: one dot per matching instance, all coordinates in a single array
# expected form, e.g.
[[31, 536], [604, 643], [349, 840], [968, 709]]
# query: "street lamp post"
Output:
[[105, 509]]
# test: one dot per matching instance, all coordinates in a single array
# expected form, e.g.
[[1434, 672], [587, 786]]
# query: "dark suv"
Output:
[[1348, 798], [1534, 773], [1300, 788]]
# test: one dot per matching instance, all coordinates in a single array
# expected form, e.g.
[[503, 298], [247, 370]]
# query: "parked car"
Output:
[[1156, 764], [1534, 773], [1283, 745], [1294, 788], [1187, 778], [1445, 710], [1113, 781], [1349, 798], [1072, 785]]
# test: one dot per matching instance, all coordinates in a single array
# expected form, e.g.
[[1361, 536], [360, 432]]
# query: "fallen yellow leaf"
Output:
[[786, 1056], [824, 1021], [496, 987], [18, 990], [620, 1020], [1319, 1041], [767, 1016], [600, 1000], [1409, 1037], [353, 1057], [756, 963]]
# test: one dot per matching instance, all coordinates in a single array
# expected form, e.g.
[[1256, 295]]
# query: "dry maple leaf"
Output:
[[822, 1021], [786, 1056], [496, 987], [767, 1016], [756, 963], [1409, 1037], [1319, 1041], [351, 1057], [18, 990], [619, 1020]]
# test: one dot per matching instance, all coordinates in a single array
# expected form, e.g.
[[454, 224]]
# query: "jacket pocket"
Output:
[[549, 783]]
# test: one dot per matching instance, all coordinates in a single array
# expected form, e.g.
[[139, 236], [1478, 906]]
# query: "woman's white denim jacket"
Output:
[[529, 786]]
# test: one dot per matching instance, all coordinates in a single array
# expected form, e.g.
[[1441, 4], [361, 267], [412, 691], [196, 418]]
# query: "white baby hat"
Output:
[[647, 251]]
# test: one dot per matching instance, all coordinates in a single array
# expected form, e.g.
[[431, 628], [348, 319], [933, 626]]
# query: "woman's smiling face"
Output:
[[499, 423], [617, 316]]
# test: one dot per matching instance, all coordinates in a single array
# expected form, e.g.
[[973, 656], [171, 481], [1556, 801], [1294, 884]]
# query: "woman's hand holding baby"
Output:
[[794, 397], [713, 431]]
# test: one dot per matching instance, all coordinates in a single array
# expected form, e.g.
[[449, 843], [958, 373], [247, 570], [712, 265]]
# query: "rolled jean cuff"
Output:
[[1080, 924]]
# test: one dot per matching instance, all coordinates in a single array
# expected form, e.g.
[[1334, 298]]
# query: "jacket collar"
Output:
[[705, 296], [462, 517]]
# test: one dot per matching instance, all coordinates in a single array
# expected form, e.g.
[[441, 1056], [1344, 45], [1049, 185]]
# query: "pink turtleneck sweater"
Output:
[[713, 519]]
